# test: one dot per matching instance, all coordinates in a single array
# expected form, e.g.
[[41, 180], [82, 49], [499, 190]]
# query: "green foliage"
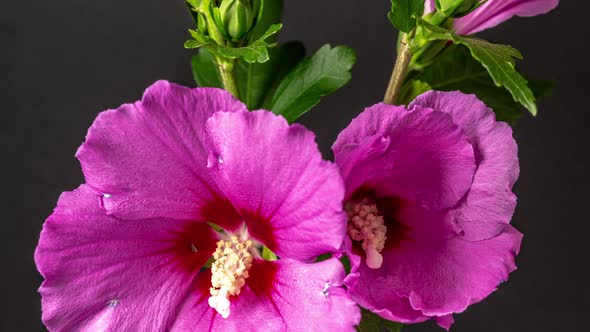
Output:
[[230, 31], [412, 89], [257, 51], [456, 8], [279, 79], [370, 322], [497, 59], [205, 70], [402, 13], [269, 13], [345, 260], [323, 257], [456, 69], [258, 80], [268, 255], [323, 73], [198, 40], [254, 52]]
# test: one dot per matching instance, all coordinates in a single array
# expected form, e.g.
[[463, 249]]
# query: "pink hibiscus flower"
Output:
[[429, 200], [494, 12], [128, 251]]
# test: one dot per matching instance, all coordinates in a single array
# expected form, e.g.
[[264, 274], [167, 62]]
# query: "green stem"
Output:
[[404, 57], [426, 55], [214, 33], [226, 69]]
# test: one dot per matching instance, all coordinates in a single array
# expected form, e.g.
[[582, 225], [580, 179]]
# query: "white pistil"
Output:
[[365, 224], [229, 271]]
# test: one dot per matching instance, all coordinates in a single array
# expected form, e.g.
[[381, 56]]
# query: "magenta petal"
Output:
[[426, 276], [494, 12], [103, 274], [283, 295], [490, 203], [273, 173], [429, 6], [445, 321], [420, 156], [148, 158]]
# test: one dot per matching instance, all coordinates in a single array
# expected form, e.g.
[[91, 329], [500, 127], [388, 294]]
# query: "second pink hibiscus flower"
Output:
[[429, 203]]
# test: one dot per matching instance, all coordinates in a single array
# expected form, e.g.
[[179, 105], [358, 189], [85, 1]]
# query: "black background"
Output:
[[64, 61]]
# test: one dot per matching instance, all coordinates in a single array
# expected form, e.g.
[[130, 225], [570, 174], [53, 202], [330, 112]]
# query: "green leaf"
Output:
[[205, 70], [322, 258], [267, 254], [402, 13], [257, 80], [455, 69], [370, 322], [324, 73], [194, 3], [269, 13], [198, 40], [447, 7], [412, 89], [254, 52], [345, 263], [191, 5], [457, 8], [497, 59]]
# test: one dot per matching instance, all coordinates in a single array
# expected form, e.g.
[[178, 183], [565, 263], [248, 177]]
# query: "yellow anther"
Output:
[[365, 224], [229, 271]]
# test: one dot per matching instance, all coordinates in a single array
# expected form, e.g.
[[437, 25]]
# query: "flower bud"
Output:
[[237, 17], [201, 23]]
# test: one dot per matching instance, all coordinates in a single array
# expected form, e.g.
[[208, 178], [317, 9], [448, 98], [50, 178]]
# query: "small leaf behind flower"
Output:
[[457, 8], [205, 70], [269, 13], [321, 74], [402, 13], [198, 40], [256, 80], [268, 255], [456, 69], [412, 89], [370, 322], [257, 51], [497, 59]]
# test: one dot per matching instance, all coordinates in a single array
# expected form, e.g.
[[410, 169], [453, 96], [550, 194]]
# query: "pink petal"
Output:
[[420, 156], [283, 295], [273, 173], [429, 276], [429, 6], [102, 273], [149, 160], [494, 12], [490, 203], [445, 321]]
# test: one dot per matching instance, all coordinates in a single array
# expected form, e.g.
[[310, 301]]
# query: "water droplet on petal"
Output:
[[105, 195], [112, 303], [193, 248], [214, 160], [326, 290]]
